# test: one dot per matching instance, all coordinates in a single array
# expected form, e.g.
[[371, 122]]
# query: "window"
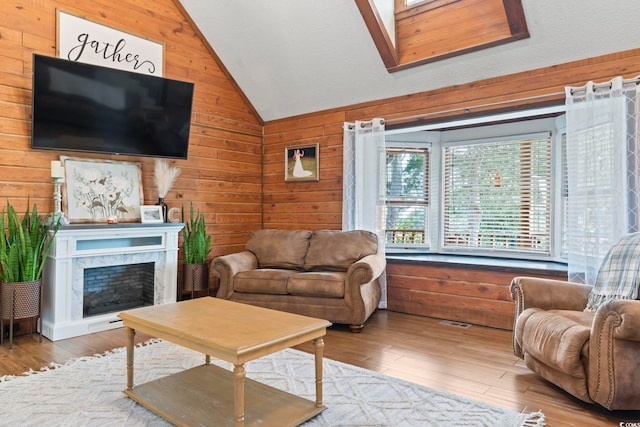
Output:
[[493, 195], [407, 205], [402, 5], [607, 180], [497, 195]]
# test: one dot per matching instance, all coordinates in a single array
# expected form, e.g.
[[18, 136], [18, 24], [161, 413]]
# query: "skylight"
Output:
[[423, 31]]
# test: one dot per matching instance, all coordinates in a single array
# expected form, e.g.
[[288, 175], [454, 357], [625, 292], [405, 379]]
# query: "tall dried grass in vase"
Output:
[[165, 176]]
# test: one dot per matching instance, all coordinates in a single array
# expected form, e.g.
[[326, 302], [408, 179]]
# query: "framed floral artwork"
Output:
[[101, 190], [301, 163]]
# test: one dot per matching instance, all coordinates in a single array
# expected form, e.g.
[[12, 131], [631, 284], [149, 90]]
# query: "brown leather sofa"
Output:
[[591, 354], [328, 274]]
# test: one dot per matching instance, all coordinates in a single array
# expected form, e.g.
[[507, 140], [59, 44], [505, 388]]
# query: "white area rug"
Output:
[[88, 392]]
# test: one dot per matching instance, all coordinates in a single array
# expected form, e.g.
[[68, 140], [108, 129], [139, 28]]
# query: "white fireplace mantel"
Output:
[[80, 246]]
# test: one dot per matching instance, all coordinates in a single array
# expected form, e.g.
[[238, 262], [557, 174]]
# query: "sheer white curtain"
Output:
[[602, 171], [364, 182]]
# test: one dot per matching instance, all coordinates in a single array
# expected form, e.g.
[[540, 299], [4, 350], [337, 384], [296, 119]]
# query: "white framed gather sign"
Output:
[[85, 41]]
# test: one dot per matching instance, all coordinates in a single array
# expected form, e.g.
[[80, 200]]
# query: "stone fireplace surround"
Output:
[[83, 246]]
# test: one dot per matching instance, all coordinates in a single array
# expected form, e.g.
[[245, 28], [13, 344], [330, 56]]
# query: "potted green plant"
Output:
[[24, 246], [196, 246]]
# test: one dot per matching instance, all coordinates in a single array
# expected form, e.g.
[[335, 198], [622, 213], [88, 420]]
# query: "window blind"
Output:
[[407, 201], [497, 195]]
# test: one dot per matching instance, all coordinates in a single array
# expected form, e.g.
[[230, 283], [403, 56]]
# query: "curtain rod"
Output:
[[363, 124], [604, 85], [468, 109], [491, 104]]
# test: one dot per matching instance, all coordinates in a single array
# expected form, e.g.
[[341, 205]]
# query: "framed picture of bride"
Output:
[[301, 163]]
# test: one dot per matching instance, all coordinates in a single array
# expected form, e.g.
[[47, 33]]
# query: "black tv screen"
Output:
[[84, 107]]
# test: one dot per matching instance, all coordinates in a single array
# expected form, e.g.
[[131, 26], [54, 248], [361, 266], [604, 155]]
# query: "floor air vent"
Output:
[[455, 324]]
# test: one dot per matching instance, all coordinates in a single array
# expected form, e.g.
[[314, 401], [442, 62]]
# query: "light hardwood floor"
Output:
[[476, 362]]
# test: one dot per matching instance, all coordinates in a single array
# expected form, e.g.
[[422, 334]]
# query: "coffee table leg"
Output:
[[318, 344], [238, 393], [131, 333]]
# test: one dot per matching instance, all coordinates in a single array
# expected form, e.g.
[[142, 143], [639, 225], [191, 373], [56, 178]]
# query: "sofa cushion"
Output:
[[317, 284], [263, 281], [279, 248], [557, 338], [334, 250]]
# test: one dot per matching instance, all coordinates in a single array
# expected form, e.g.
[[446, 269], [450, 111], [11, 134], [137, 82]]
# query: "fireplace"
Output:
[[116, 288], [93, 272]]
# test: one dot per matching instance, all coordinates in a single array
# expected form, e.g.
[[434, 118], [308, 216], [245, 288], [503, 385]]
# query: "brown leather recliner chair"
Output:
[[594, 355]]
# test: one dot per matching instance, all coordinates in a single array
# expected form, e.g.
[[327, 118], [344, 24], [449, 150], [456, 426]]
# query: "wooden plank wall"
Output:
[[478, 23], [223, 174], [318, 204], [309, 204], [472, 294]]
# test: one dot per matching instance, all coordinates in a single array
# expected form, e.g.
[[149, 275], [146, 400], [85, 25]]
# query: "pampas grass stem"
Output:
[[165, 175]]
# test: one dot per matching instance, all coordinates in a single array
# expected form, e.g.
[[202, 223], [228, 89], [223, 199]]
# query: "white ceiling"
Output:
[[293, 57]]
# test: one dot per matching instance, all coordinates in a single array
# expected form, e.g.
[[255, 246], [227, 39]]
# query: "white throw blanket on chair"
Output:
[[619, 274]]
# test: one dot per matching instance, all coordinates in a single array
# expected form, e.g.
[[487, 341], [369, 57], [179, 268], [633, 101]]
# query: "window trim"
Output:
[[423, 147]]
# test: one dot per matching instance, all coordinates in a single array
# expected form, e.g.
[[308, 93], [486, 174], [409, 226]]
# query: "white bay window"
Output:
[[484, 190]]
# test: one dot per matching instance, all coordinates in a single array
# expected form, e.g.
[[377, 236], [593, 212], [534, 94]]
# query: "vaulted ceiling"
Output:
[[293, 57]]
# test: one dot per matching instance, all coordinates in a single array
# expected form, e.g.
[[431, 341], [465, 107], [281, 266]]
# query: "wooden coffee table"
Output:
[[233, 332]]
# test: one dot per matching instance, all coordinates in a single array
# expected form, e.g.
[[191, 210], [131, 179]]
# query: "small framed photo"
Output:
[[301, 163], [151, 214]]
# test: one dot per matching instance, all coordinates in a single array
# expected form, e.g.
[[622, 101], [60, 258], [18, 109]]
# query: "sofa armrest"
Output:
[[548, 294], [366, 269], [614, 345], [620, 317], [227, 266], [362, 289]]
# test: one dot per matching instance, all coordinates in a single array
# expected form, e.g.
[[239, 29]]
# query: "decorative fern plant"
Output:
[[24, 244], [196, 242]]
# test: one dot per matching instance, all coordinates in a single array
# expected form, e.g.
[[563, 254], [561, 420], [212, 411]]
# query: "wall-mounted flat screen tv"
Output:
[[84, 107]]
